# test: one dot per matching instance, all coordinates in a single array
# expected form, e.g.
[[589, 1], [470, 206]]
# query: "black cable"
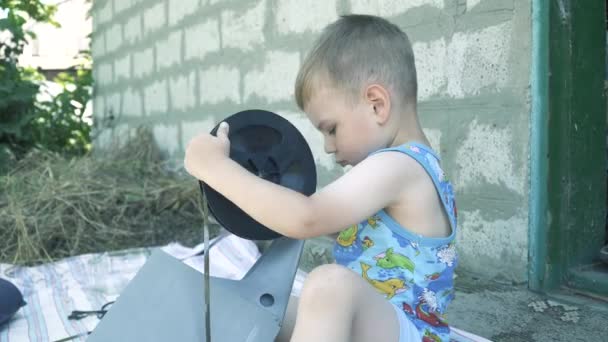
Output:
[[80, 314]]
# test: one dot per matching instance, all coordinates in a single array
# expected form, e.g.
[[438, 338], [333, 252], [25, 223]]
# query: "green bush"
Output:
[[27, 123]]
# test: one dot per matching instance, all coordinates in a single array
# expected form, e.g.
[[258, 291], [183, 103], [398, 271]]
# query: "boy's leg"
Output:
[[337, 304], [289, 321]]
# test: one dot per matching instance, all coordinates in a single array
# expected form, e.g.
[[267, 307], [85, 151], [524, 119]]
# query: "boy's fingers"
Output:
[[222, 131]]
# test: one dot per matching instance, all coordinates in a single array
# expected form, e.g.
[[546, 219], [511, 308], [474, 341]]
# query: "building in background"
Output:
[[510, 95], [56, 49]]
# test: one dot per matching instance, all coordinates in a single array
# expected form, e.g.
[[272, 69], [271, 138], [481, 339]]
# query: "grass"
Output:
[[53, 207]]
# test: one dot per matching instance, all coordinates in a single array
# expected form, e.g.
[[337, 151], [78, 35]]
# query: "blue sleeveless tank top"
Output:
[[413, 272]]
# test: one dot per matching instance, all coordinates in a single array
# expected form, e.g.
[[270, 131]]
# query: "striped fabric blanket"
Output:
[[88, 282]]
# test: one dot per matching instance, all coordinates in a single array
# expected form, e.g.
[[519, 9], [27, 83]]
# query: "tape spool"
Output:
[[272, 148]]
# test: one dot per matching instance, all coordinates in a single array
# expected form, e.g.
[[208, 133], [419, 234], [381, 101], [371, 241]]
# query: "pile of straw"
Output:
[[52, 207]]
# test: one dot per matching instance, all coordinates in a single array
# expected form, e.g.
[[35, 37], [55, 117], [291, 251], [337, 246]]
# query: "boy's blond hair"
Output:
[[357, 50]]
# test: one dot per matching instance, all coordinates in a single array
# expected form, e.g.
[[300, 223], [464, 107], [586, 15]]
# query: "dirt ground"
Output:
[[509, 313]]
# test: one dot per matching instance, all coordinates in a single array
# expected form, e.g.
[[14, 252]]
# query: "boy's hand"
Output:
[[205, 150]]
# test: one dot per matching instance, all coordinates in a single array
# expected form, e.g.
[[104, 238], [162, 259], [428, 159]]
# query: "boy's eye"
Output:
[[332, 131]]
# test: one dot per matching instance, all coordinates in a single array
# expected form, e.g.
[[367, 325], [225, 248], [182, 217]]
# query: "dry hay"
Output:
[[52, 207]]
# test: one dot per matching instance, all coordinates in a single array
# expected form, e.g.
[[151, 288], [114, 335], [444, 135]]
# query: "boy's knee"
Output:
[[328, 284]]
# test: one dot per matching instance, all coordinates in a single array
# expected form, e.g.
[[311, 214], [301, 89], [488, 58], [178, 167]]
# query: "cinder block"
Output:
[[297, 16], [191, 129], [156, 98], [472, 3], [244, 30], [104, 138], [105, 75], [131, 102], [478, 60], [434, 136], [178, 9], [113, 104], [182, 89], [313, 137], [275, 82], [219, 84], [132, 29], [122, 67], [154, 18], [113, 38], [122, 134], [387, 8], [166, 137], [104, 13], [121, 5], [169, 50], [431, 63], [98, 107], [98, 45], [202, 39], [485, 156], [143, 62]]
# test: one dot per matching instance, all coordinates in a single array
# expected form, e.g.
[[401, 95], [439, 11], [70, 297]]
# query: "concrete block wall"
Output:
[[181, 66]]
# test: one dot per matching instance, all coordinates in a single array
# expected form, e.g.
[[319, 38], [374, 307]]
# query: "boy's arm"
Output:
[[373, 184]]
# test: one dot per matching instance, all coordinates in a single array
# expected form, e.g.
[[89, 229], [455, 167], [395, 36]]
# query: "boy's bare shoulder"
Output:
[[398, 162]]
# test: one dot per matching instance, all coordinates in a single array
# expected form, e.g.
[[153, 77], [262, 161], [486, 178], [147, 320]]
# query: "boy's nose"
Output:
[[329, 147]]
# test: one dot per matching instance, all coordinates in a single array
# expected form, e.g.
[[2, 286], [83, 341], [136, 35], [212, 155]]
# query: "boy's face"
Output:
[[349, 130]]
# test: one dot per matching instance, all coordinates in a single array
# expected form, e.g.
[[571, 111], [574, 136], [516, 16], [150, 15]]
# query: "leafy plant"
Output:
[[62, 123], [26, 120]]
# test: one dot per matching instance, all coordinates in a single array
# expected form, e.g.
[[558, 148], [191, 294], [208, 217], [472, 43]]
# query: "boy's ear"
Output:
[[378, 98]]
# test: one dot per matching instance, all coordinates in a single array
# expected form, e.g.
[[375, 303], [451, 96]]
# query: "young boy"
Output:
[[393, 276]]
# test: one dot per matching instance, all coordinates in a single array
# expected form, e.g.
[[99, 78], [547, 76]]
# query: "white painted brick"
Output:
[[131, 102], [122, 67], [182, 90], [202, 39], [166, 137], [244, 30], [431, 60], [113, 38], [156, 97], [143, 62], [297, 16], [478, 60], [178, 9], [132, 29], [275, 81], [105, 74], [113, 104], [169, 50], [192, 129], [219, 84], [105, 13], [154, 17], [387, 8], [121, 5], [98, 45]]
